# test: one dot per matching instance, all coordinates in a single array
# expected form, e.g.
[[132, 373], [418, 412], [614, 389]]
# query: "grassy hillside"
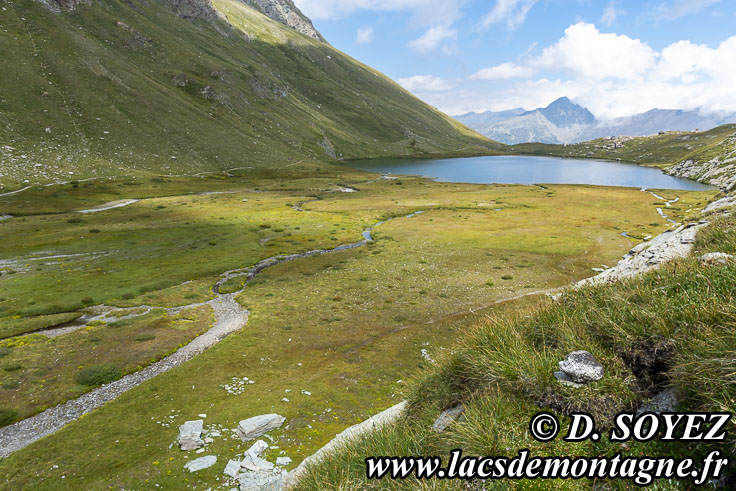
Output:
[[657, 150], [128, 87], [672, 327]]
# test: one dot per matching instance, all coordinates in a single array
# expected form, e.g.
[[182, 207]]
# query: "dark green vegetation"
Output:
[[128, 88], [658, 150], [672, 327], [345, 327]]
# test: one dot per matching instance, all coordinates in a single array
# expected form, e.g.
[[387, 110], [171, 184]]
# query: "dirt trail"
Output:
[[230, 316]]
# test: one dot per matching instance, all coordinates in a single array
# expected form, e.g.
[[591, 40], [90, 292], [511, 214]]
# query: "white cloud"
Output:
[[432, 39], [680, 8], [426, 83], [611, 13], [511, 12], [611, 74], [364, 35], [589, 53], [504, 71]]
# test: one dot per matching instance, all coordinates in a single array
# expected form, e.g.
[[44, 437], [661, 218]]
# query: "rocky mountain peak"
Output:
[[285, 12], [563, 112]]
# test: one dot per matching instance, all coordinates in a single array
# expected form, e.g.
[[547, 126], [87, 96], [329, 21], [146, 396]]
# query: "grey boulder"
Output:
[[190, 435], [581, 367], [200, 463], [258, 425]]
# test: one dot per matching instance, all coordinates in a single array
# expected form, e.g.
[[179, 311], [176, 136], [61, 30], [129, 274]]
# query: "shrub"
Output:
[[75, 220], [7, 416], [145, 337], [98, 375], [88, 301], [13, 367], [490, 283], [4, 351], [94, 230], [128, 296], [507, 277]]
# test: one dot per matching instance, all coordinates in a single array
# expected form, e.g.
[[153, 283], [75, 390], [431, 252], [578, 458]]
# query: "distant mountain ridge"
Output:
[[563, 121]]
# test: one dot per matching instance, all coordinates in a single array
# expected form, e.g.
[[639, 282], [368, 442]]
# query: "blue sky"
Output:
[[616, 57]]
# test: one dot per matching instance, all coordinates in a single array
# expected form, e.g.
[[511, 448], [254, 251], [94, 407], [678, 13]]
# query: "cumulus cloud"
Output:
[[589, 53], [426, 83], [364, 35], [611, 74], [510, 12], [432, 39], [504, 71]]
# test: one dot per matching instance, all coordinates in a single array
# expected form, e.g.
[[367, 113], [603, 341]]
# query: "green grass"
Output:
[[658, 150], [50, 371], [677, 322], [345, 327], [117, 106]]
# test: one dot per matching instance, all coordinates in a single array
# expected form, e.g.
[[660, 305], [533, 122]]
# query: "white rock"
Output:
[[256, 464], [447, 416], [256, 481], [581, 367], [190, 435], [283, 460], [201, 463], [232, 468], [258, 425], [258, 448], [716, 259]]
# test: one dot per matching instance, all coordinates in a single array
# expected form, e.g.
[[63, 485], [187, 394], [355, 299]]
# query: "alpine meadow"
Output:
[[199, 289]]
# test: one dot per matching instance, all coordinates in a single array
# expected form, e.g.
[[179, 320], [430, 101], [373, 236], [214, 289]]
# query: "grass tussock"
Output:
[[671, 327]]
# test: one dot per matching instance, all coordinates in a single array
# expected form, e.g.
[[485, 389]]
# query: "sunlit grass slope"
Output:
[[119, 88]]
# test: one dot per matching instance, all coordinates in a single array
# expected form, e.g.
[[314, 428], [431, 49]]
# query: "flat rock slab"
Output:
[[716, 259], [258, 425], [190, 435], [258, 481], [581, 367], [201, 463], [232, 468], [447, 417], [257, 448]]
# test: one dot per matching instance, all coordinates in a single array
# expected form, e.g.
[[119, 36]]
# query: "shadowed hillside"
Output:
[[126, 87]]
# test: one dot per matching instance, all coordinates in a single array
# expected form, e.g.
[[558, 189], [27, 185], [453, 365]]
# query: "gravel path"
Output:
[[230, 316], [111, 205]]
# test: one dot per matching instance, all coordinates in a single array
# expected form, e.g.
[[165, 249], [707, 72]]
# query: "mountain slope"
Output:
[[566, 122], [185, 86], [651, 123], [560, 122]]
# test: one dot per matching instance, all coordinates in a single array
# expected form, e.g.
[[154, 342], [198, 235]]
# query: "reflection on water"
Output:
[[523, 169]]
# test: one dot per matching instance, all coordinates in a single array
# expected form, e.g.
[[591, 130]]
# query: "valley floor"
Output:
[[331, 338]]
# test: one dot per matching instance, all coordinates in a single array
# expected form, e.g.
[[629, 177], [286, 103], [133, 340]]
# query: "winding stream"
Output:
[[230, 316]]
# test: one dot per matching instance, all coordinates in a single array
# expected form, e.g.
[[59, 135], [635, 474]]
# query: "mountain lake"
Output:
[[525, 169]]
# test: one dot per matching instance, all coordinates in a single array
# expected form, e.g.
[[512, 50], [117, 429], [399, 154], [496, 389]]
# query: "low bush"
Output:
[[98, 375]]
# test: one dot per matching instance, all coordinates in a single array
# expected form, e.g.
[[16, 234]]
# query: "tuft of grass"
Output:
[[7, 416], [98, 375]]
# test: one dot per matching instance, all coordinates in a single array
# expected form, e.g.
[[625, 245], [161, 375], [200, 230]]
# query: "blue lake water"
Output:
[[524, 169]]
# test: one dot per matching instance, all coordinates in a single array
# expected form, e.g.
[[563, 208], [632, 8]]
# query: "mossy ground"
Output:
[[345, 327], [501, 369]]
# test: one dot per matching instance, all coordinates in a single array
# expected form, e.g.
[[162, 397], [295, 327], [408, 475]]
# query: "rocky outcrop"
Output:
[[649, 255], [719, 171], [285, 12], [59, 5]]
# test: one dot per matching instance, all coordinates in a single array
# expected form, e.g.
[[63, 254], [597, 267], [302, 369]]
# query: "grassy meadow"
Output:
[[671, 327], [331, 339]]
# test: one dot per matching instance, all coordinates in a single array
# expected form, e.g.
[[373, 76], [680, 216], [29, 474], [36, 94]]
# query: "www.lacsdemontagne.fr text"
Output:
[[641, 470]]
